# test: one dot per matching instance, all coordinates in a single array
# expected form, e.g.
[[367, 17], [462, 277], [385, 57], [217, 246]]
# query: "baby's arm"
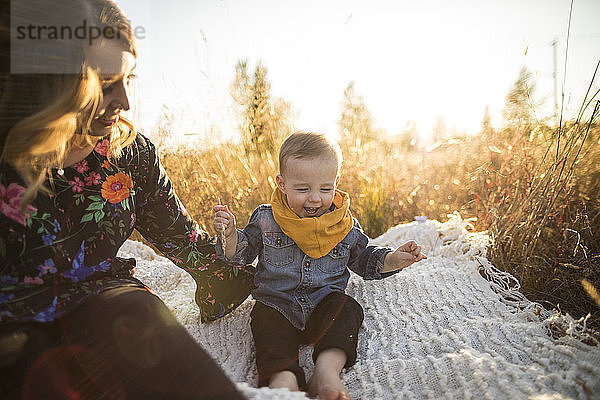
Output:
[[224, 225], [404, 256]]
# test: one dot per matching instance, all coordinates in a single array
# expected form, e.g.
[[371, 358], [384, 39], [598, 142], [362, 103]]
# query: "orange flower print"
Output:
[[116, 187], [106, 164]]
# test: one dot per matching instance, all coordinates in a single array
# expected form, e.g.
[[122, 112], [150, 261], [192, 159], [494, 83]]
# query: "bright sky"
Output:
[[410, 60]]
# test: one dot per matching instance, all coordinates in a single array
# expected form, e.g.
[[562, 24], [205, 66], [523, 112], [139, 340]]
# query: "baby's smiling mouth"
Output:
[[311, 210]]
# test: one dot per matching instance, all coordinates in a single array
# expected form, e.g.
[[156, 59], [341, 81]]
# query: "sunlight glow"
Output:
[[411, 61]]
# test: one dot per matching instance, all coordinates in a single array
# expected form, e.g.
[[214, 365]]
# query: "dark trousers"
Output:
[[121, 344], [334, 323]]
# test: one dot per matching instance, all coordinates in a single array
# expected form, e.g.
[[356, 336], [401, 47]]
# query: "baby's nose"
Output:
[[314, 197]]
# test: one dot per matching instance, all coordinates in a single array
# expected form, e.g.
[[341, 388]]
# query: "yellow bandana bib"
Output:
[[315, 236]]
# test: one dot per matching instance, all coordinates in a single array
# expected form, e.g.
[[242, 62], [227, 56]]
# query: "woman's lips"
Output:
[[108, 122]]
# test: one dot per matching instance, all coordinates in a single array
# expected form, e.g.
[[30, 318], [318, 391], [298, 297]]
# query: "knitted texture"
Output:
[[449, 327]]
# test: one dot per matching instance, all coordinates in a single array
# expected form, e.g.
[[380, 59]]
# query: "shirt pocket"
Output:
[[278, 249], [336, 260]]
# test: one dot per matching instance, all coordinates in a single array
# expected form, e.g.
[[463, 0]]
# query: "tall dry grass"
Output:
[[536, 191], [539, 199]]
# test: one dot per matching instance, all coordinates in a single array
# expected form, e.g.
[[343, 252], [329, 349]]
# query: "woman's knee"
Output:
[[127, 323]]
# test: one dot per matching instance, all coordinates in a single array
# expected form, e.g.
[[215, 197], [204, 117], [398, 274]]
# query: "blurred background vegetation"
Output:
[[532, 183]]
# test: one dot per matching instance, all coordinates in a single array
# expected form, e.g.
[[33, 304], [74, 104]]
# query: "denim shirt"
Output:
[[290, 281]]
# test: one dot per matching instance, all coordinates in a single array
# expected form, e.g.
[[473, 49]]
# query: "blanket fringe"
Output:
[[508, 288]]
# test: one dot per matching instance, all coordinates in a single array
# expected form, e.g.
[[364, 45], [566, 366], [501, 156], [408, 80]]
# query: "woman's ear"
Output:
[[280, 182]]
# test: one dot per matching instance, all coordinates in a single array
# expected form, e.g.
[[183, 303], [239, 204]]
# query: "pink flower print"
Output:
[[76, 185], [132, 223], [81, 166], [10, 203], [193, 236], [213, 258], [92, 179], [33, 281], [102, 147]]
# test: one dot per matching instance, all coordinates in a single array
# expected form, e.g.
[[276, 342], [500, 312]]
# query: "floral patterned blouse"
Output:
[[62, 248]]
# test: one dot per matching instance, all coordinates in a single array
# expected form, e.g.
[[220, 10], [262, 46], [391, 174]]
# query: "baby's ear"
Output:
[[280, 182]]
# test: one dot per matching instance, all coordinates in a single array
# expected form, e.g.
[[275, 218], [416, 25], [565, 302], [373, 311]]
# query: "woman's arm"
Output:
[[163, 221]]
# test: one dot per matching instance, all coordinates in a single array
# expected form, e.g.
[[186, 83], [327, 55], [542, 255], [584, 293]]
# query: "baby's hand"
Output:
[[404, 256], [413, 249], [224, 222]]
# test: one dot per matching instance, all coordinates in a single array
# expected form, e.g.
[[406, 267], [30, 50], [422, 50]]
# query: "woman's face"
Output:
[[115, 69]]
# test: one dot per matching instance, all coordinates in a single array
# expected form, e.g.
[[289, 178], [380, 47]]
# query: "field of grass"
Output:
[[535, 190]]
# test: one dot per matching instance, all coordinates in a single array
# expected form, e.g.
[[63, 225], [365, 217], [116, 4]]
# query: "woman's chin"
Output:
[[99, 130]]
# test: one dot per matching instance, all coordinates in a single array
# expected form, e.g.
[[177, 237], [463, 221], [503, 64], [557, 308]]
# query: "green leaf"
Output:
[[87, 217], [98, 215], [95, 198], [95, 206]]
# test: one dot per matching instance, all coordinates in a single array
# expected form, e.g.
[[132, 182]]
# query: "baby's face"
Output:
[[309, 185]]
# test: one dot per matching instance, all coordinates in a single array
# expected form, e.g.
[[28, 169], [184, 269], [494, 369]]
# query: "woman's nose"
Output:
[[121, 98]]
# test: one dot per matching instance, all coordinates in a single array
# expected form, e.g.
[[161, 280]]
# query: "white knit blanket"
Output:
[[437, 330]]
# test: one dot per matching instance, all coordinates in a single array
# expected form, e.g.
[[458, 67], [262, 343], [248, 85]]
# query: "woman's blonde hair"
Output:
[[308, 145], [43, 114]]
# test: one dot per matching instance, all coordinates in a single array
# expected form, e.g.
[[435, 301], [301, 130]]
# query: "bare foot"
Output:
[[284, 379], [325, 382], [327, 385]]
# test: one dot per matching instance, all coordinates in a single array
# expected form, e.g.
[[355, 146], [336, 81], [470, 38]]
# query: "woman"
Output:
[[75, 180]]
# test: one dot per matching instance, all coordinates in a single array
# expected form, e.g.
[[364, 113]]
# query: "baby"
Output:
[[306, 240]]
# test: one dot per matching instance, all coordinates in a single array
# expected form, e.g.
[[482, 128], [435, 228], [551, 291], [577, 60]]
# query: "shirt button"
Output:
[[302, 299], [307, 263], [278, 242]]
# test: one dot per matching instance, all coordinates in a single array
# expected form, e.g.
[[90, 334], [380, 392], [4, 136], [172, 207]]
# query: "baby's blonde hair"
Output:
[[308, 145]]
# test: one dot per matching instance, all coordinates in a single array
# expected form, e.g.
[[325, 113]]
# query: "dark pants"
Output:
[[334, 323], [121, 344]]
